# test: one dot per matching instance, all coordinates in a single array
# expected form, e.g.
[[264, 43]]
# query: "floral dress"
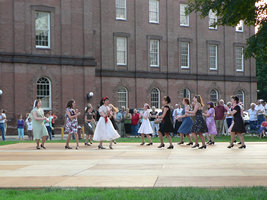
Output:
[[199, 125], [211, 122], [71, 124]]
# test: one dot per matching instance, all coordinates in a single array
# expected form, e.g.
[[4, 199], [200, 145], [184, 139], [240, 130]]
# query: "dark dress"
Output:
[[166, 124], [199, 125], [114, 123], [89, 127], [239, 126]]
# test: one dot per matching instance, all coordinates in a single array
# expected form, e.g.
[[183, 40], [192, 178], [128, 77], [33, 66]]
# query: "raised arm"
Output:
[[195, 110]]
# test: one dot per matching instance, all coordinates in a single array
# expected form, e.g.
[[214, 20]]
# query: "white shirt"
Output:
[[253, 115], [266, 109], [2, 120], [29, 125], [260, 109], [228, 113]]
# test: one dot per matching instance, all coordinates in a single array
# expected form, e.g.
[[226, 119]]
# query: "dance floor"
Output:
[[132, 165]]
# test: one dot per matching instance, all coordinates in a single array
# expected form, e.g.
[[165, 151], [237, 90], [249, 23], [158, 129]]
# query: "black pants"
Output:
[[53, 129], [128, 128], [177, 126]]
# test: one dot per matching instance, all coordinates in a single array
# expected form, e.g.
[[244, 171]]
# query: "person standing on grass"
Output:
[[220, 112], [127, 121], [229, 117], [2, 124], [29, 128], [104, 129], [199, 126], [112, 117], [20, 126], [4, 112], [260, 110], [71, 126], [145, 128], [166, 126], [89, 125], [253, 117], [54, 118], [187, 123], [210, 123], [135, 122], [176, 119], [48, 125], [39, 129], [152, 116]]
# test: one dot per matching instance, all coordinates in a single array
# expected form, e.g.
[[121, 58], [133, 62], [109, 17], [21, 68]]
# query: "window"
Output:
[[154, 11], [154, 53], [121, 51], [186, 93], [240, 27], [239, 59], [155, 97], [213, 60], [123, 97], [184, 54], [212, 20], [42, 29], [121, 9], [214, 96], [241, 95], [44, 92], [184, 19]]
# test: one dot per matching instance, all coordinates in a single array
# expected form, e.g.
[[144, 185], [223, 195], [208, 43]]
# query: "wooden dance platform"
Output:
[[132, 165]]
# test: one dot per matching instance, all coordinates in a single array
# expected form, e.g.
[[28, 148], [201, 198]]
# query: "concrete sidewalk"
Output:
[[132, 165]]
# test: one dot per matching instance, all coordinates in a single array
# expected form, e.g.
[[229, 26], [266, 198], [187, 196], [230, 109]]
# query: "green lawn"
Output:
[[256, 193], [155, 140]]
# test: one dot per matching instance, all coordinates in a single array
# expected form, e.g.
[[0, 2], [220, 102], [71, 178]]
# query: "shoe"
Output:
[[149, 144], [110, 147], [242, 147], [90, 142], [235, 141], [142, 143], [77, 148], [211, 143], [68, 147], [239, 143], [114, 142], [170, 147], [230, 146], [190, 143], [38, 148], [160, 146], [43, 146], [86, 144], [203, 147], [181, 143], [196, 145], [101, 147]]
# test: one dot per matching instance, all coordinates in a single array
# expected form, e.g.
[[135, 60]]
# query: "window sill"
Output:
[[154, 66], [43, 48], [154, 23], [239, 31], [213, 29], [121, 65], [238, 70], [184, 25], [213, 69], [182, 67], [120, 19]]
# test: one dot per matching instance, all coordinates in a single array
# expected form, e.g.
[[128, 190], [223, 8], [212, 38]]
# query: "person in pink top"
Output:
[[210, 114]]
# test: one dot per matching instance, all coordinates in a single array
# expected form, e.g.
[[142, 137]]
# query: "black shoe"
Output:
[[230, 146], [77, 148], [68, 147], [170, 147], [43, 146], [182, 142], [203, 147], [239, 143], [101, 147], [110, 147], [160, 146], [235, 141], [242, 147], [149, 144], [142, 143], [190, 143], [86, 144], [114, 142], [90, 142], [211, 143], [196, 145], [38, 148]]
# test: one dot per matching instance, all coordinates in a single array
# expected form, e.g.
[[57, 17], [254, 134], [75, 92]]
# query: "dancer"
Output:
[[39, 129], [71, 126], [238, 127], [113, 115], [199, 126], [104, 128], [145, 128], [187, 123], [89, 125], [210, 123], [166, 126]]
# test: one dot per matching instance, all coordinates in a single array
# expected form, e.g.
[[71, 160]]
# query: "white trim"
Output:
[[242, 60], [157, 12], [158, 52], [158, 91], [187, 16], [125, 10], [126, 99], [49, 31], [216, 57], [188, 56], [241, 24], [243, 95], [125, 50], [50, 93], [217, 95], [212, 15]]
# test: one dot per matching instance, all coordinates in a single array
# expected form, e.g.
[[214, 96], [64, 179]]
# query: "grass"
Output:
[[129, 194], [154, 140]]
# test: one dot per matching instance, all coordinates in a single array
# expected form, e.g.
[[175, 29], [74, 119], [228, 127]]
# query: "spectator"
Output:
[[229, 117], [29, 128], [253, 119], [177, 113], [220, 112], [260, 109], [119, 122], [123, 111], [20, 126], [54, 118], [127, 121], [135, 122], [89, 124], [263, 129], [48, 124], [2, 124], [152, 116], [4, 111]]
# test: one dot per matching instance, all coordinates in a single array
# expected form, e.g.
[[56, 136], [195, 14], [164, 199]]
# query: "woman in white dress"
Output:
[[145, 128], [104, 129]]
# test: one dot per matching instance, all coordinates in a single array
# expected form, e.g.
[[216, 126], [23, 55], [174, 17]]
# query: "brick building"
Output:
[[133, 51]]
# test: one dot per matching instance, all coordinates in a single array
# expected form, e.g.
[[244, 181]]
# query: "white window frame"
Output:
[[121, 7], [125, 52], [154, 53], [186, 93], [158, 96], [49, 31], [50, 93], [212, 17], [242, 60], [217, 96], [152, 11], [188, 55], [216, 57], [125, 92], [241, 92], [240, 25], [183, 15]]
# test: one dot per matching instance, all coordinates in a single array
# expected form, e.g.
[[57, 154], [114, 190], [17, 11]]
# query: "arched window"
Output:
[[155, 97], [186, 93], [241, 95], [123, 97], [44, 92], [214, 96]]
